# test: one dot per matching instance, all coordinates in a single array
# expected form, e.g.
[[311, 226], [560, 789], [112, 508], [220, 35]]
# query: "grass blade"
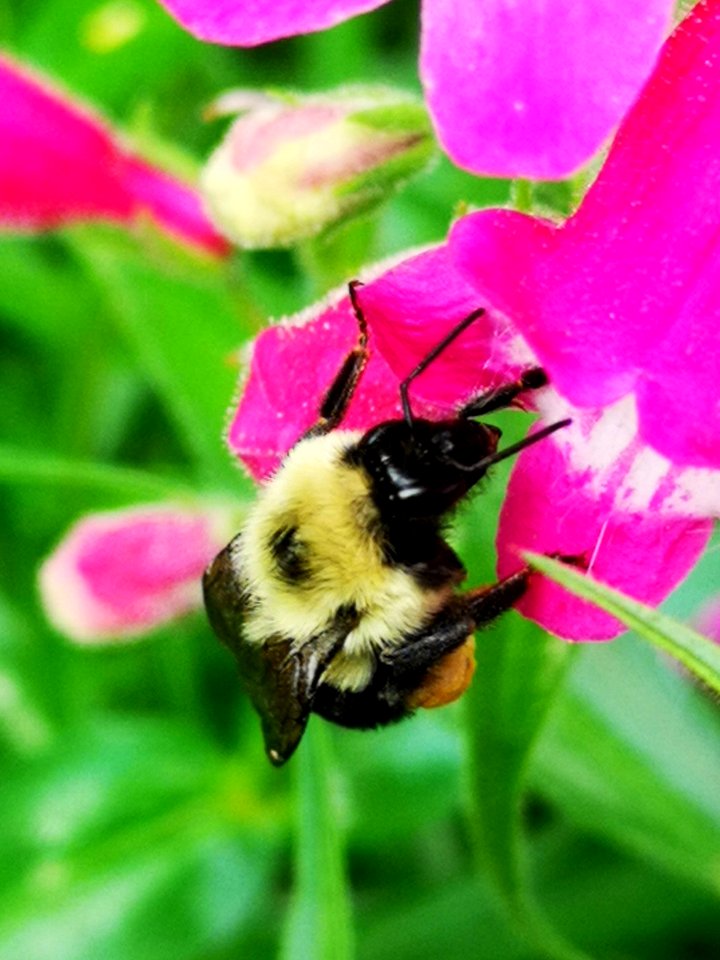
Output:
[[26, 467], [695, 652]]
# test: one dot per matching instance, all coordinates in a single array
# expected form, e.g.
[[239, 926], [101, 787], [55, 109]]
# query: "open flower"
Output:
[[623, 300], [120, 574], [60, 164], [526, 89], [640, 522], [619, 305]]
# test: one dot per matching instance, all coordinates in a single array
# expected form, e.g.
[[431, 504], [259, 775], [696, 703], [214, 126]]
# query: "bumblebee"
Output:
[[340, 595]]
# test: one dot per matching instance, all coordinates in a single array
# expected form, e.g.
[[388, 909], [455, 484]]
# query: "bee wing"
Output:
[[281, 683], [279, 678]]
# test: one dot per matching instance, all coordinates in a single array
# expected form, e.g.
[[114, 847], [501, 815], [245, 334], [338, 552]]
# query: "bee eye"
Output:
[[289, 553], [444, 443]]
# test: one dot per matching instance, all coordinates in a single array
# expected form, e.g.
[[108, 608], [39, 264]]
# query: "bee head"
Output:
[[422, 469]]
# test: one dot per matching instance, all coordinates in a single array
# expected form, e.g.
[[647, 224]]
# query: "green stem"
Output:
[[522, 670], [319, 922], [521, 195]]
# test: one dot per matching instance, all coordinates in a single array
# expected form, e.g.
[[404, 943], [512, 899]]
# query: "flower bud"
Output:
[[290, 168], [120, 574]]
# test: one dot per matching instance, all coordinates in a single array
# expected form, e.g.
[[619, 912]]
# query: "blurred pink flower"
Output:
[[116, 575], [60, 164], [527, 89], [707, 620], [620, 305]]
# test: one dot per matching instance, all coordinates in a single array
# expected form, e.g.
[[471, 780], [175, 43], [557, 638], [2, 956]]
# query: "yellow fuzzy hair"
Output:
[[329, 503]]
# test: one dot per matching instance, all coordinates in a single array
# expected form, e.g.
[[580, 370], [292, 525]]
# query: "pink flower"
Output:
[[619, 305], [623, 300], [59, 164], [641, 522], [530, 89], [120, 574], [291, 367]]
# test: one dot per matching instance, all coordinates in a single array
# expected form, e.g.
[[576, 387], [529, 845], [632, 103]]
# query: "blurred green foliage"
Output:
[[572, 787]]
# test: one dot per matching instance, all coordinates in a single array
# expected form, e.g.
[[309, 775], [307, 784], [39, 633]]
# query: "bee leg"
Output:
[[501, 397], [487, 603], [448, 630], [435, 667], [427, 669], [337, 399]]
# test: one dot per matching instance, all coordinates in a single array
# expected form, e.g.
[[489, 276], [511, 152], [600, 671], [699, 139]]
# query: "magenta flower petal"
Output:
[[409, 308], [60, 164], [534, 89], [173, 204], [292, 367], [57, 162], [558, 290], [252, 22], [551, 507], [623, 296], [120, 574], [414, 304], [677, 395]]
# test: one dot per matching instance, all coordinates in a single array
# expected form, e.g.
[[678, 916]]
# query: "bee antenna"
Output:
[[521, 445], [433, 355]]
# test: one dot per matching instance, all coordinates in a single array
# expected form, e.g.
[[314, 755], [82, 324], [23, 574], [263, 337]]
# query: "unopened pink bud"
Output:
[[116, 575], [289, 169]]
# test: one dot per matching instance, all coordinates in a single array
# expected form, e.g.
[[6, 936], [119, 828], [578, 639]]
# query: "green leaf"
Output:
[[698, 654], [631, 753], [42, 293], [319, 925], [519, 672], [24, 724], [615, 906], [26, 467], [180, 322], [118, 828]]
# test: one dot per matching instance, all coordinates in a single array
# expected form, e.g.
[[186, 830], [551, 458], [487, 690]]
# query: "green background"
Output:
[[568, 807]]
